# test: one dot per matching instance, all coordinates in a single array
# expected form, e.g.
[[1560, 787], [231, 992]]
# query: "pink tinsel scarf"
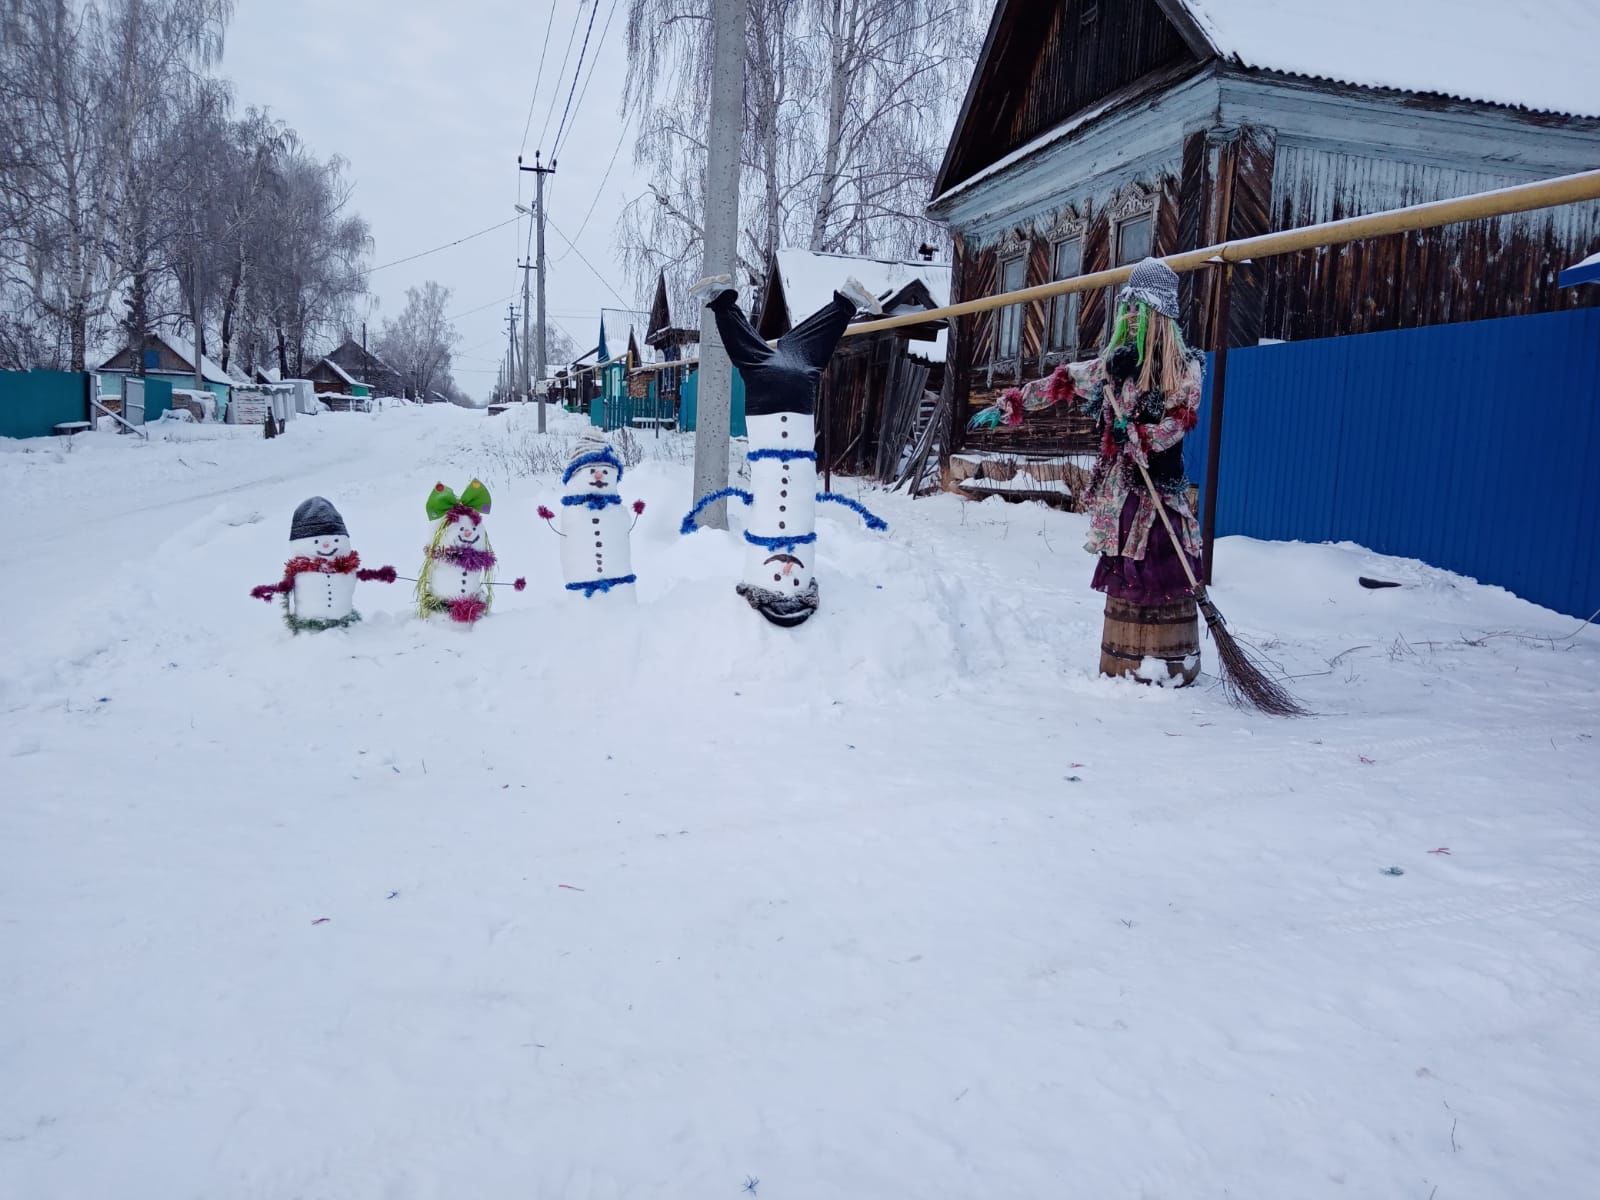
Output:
[[468, 558]]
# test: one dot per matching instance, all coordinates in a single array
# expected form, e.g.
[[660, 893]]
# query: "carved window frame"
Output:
[[1014, 249], [1135, 202], [1068, 228]]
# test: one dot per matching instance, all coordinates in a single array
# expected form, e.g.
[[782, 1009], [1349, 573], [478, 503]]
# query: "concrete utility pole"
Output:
[[714, 402], [527, 393], [539, 172], [511, 348]]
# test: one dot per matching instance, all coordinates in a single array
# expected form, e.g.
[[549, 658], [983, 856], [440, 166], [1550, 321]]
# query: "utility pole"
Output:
[[539, 172], [714, 404], [527, 345], [511, 348]]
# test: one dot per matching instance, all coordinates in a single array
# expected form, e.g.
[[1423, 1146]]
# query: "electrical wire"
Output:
[[577, 71], [561, 140], [538, 78], [592, 268], [623, 133], [424, 253], [480, 308], [561, 74]]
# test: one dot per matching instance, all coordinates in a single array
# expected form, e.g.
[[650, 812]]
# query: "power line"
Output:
[[592, 268], [561, 74], [623, 133], [480, 308], [435, 250], [611, 12], [577, 71], [538, 78]]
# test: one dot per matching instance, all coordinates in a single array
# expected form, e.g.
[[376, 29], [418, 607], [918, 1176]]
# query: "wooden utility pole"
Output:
[[539, 172], [714, 402]]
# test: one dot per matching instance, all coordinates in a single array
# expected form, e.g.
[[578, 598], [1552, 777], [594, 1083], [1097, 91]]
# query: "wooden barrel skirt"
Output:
[[1159, 644]]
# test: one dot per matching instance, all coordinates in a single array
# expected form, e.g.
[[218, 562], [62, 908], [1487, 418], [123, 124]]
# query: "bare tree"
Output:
[[847, 107], [83, 81], [420, 341]]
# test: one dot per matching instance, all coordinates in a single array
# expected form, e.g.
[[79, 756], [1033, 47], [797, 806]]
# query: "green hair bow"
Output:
[[442, 500]]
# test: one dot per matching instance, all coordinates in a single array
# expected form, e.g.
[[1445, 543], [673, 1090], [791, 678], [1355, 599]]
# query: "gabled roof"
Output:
[[805, 280], [184, 349], [620, 329], [1533, 56], [339, 371], [1536, 57]]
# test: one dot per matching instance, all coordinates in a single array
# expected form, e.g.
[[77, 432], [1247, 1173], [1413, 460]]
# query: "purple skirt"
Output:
[[1157, 578]]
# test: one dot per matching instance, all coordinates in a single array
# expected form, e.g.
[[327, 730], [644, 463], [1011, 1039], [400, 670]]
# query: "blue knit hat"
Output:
[[592, 450]]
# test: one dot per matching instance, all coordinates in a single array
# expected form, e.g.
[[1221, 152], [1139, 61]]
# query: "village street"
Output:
[[606, 900]]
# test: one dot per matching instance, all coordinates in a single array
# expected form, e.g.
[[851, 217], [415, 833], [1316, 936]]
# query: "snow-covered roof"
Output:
[[340, 372], [810, 277], [619, 323], [1588, 271], [1534, 56], [184, 349]]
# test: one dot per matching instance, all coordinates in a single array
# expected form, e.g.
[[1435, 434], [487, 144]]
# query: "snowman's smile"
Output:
[[326, 553], [468, 541]]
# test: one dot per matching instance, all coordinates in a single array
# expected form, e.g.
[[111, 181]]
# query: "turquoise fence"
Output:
[[33, 403]]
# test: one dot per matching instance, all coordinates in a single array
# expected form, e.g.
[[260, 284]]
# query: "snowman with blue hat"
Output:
[[594, 525]]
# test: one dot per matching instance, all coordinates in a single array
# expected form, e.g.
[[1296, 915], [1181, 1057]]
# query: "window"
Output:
[[1133, 230], [1135, 238], [1013, 275], [1064, 317]]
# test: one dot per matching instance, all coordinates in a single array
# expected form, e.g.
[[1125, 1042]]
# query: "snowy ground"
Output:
[[598, 902]]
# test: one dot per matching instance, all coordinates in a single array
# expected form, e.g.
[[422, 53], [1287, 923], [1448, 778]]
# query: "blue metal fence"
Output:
[[1473, 447]]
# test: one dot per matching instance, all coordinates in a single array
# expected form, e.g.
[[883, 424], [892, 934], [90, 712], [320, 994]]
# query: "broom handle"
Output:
[[1161, 509]]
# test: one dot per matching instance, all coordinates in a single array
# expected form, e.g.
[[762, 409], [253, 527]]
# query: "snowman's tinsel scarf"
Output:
[[600, 585], [299, 625], [594, 502], [427, 602]]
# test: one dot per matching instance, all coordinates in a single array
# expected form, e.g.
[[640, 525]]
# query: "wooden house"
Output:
[[352, 370], [1094, 133], [876, 388], [168, 357], [671, 343]]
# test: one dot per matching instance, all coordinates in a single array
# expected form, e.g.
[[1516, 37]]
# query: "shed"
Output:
[[878, 389], [169, 358]]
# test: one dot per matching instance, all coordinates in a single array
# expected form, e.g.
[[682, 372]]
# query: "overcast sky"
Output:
[[428, 102]]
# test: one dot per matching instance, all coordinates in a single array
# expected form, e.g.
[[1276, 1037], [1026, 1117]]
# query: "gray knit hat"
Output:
[[1155, 284], [316, 518]]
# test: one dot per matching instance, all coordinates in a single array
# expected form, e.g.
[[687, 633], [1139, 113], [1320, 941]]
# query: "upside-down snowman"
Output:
[[319, 582], [780, 399], [595, 556], [457, 576]]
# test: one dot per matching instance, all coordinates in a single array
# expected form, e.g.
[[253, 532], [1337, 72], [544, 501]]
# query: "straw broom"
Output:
[[1245, 681]]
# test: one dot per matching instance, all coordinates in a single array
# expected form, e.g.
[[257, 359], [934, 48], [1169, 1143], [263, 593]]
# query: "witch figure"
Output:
[[1143, 393], [780, 402]]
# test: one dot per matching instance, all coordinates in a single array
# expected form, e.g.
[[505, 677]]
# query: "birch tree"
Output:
[[847, 107], [420, 342]]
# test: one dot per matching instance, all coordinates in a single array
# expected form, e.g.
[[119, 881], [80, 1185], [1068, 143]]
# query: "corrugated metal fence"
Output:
[[1474, 447], [32, 403]]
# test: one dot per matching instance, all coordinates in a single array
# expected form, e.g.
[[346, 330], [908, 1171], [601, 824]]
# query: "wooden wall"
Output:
[[1050, 61], [1471, 272], [976, 375]]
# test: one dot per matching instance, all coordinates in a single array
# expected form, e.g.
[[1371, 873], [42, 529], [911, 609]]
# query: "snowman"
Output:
[[457, 576], [780, 398], [319, 582], [595, 556]]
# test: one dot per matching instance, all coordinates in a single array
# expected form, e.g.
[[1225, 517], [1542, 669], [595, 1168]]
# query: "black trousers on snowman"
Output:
[[781, 378]]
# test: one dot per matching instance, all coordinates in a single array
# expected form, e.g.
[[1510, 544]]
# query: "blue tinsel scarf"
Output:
[[589, 588], [781, 455], [595, 502]]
